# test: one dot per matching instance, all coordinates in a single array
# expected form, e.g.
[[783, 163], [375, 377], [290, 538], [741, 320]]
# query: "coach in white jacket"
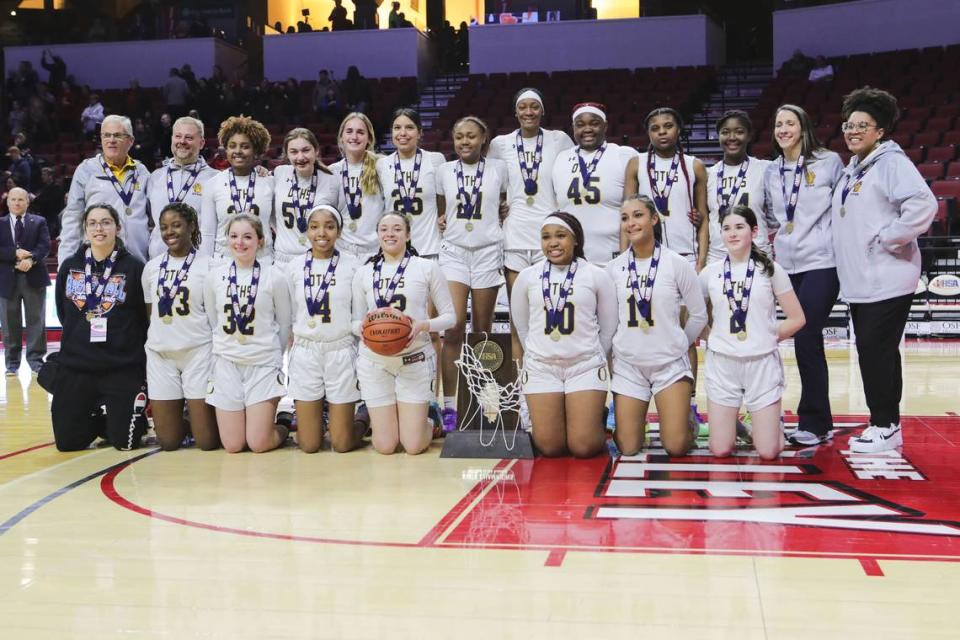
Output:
[[881, 205], [111, 177]]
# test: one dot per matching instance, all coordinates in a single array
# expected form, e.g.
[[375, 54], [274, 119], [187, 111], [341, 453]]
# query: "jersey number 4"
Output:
[[590, 194]]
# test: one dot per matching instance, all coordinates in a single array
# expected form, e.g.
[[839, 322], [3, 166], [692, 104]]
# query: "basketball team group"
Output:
[[214, 294]]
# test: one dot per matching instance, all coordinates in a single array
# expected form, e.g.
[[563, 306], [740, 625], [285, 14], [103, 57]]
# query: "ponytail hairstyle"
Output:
[[305, 134], [413, 114], [758, 256], [537, 95], [666, 111], [113, 214], [484, 131], [571, 221], [809, 145], [189, 215], [406, 222], [369, 183], [651, 207]]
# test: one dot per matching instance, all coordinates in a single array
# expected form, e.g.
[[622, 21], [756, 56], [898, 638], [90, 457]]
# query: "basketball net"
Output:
[[488, 399]]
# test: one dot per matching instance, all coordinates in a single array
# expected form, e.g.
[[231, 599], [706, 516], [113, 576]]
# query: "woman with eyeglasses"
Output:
[[880, 207], [102, 362], [798, 185]]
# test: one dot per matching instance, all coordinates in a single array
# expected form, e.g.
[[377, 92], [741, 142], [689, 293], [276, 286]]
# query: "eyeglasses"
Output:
[[100, 224], [857, 126], [113, 136]]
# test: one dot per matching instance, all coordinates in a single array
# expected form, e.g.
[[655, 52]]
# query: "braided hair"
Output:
[[189, 215]]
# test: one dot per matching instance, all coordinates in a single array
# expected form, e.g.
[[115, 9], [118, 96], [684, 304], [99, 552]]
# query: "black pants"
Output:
[[879, 327], [817, 291], [77, 397]]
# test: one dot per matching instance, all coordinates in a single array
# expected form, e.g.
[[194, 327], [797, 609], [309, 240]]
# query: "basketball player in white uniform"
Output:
[[237, 189], [650, 347], [359, 198], [324, 353], [469, 193], [247, 314], [179, 338], [298, 188], [398, 389], [565, 311], [743, 357], [588, 182]]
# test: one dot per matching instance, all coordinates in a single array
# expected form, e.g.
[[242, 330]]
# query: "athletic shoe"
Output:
[[11, 373], [874, 439], [361, 421], [449, 419], [610, 417], [694, 423], [288, 420], [436, 419], [803, 438], [745, 429], [703, 429]]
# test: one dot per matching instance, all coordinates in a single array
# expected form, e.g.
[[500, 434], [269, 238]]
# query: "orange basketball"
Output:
[[386, 331]]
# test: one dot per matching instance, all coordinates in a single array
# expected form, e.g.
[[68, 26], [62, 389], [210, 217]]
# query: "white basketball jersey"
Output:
[[335, 316], [676, 284], [217, 208], [259, 342], [751, 193], [189, 325], [481, 227], [425, 232], [596, 204], [522, 226], [761, 314], [679, 234], [289, 240], [361, 231]]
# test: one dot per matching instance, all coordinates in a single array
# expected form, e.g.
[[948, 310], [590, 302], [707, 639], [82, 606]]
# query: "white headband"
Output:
[[528, 95], [588, 108], [560, 222], [337, 216]]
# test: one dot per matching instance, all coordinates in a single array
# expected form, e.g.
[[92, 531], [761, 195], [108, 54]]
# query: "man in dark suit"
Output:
[[24, 245]]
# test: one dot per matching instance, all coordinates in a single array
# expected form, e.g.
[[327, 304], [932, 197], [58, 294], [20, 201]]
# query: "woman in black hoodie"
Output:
[[102, 361]]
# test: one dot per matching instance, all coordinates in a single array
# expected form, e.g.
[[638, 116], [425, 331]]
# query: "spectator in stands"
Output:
[[163, 134], [338, 17], [24, 245], [92, 116], [134, 98], [17, 118], [49, 200], [145, 146], [822, 71], [365, 14], [356, 91], [19, 167], [880, 207], [114, 178], [797, 64], [321, 90], [176, 93], [56, 67], [394, 20], [37, 119]]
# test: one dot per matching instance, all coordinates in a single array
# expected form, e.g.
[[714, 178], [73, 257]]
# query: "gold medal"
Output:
[[303, 240], [242, 339], [312, 324], [90, 315], [530, 201], [353, 226], [742, 335], [843, 211], [555, 334], [644, 324], [469, 226], [128, 211], [790, 227], [167, 319]]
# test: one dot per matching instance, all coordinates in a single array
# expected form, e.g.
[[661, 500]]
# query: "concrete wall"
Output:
[[112, 65], [671, 41], [865, 27]]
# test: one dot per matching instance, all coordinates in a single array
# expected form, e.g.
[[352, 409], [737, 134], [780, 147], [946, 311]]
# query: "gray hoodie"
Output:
[[875, 241]]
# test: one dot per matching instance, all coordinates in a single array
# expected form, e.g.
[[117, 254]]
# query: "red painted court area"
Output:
[[821, 502]]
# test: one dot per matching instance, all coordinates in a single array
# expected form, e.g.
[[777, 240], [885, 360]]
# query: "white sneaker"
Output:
[[808, 439], [876, 438]]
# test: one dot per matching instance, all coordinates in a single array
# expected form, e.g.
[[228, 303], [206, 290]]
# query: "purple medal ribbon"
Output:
[[847, 187], [407, 193], [169, 294], [643, 296], [242, 316], [586, 172], [235, 192], [530, 175], [185, 188], [555, 312], [353, 198], [738, 310], [92, 295], [790, 204], [723, 203], [469, 201], [385, 300], [295, 196], [126, 197], [662, 198], [314, 302]]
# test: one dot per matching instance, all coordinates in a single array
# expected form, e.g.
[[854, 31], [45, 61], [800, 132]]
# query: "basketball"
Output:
[[386, 331]]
